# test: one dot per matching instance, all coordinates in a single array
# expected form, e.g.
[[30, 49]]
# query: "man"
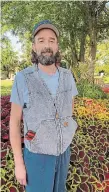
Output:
[[43, 92]]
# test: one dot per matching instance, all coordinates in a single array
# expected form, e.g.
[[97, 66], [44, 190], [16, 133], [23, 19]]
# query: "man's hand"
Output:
[[20, 173]]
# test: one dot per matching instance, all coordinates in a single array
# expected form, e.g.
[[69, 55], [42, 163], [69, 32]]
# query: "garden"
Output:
[[89, 162], [84, 49]]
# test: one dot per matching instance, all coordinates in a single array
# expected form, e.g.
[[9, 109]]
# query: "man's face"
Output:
[[46, 46]]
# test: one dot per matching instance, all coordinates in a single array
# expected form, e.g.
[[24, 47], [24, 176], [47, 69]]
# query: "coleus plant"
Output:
[[106, 89], [89, 161]]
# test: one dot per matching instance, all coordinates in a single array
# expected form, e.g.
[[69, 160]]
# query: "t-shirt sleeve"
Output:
[[16, 92], [74, 88]]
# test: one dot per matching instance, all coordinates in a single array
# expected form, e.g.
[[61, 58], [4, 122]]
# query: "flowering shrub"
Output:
[[89, 162]]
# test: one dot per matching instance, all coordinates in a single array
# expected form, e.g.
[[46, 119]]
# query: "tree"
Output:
[[78, 21], [9, 57]]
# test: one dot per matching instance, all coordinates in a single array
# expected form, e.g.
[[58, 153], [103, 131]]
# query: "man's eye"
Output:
[[41, 41]]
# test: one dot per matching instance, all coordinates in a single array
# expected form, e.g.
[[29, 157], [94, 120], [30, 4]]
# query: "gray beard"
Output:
[[46, 60]]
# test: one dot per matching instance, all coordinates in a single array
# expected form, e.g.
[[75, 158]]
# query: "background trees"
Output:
[[9, 60], [82, 25]]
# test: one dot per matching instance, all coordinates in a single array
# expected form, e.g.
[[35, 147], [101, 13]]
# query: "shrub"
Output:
[[89, 90]]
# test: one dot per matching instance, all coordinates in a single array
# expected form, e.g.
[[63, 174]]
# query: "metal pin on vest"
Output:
[[65, 124]]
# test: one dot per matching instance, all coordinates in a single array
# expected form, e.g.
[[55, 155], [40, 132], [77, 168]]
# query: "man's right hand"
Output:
[[20, 173]]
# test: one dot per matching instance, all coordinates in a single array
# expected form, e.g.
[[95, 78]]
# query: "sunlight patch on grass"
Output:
[[6, 86]]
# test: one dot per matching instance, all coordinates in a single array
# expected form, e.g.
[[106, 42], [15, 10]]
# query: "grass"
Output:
[[106, 79], [6, 86]]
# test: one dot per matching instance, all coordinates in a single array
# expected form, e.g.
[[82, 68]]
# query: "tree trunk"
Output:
[[82, 47], [93, 38]]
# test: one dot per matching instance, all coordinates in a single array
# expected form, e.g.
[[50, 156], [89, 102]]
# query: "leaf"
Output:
[[77, 178], [107, 182], [104, 167], [84, 187], [3, 153], [92, 179], [75, 148], [73, 157], [86, 159], [106, 174], [101, 158], [106, 189], [13, 189], [84, 178], [99, 186], [3, 163], [81, 154], [87, 171]]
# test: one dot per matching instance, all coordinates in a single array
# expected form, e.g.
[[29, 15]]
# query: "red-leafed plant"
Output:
[[89, 161]]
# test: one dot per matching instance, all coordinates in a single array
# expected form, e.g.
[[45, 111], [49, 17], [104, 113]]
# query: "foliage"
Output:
[[95, 108], [102, 58], [8, 180], [9, 60], [106, 79], [77, 21], [81, 71], [89, 90], [89, 161], [89, 165]]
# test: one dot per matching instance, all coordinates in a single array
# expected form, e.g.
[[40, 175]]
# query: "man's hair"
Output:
[[35, 60]]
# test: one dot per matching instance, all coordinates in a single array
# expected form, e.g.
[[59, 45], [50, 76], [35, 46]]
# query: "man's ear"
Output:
[[59, 48], [33, 47]]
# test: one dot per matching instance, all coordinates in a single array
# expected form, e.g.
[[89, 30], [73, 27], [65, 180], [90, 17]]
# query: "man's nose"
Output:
[[47, 44]]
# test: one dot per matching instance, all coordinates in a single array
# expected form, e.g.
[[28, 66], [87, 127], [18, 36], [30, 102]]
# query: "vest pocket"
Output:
[[69, 123], [45, 138], [69, 126]]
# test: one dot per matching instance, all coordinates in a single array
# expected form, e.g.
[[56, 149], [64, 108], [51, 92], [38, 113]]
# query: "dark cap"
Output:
[[45, 24]]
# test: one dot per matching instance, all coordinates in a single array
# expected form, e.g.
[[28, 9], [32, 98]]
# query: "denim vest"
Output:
[[50, 118]]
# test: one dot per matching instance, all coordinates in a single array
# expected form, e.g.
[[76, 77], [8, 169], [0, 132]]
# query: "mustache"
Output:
[[47, 50]]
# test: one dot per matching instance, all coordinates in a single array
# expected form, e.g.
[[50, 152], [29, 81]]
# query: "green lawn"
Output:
[[106, 79], [6, 86]]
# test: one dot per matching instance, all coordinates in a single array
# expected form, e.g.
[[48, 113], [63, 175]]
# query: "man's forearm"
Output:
[[15, 140]]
